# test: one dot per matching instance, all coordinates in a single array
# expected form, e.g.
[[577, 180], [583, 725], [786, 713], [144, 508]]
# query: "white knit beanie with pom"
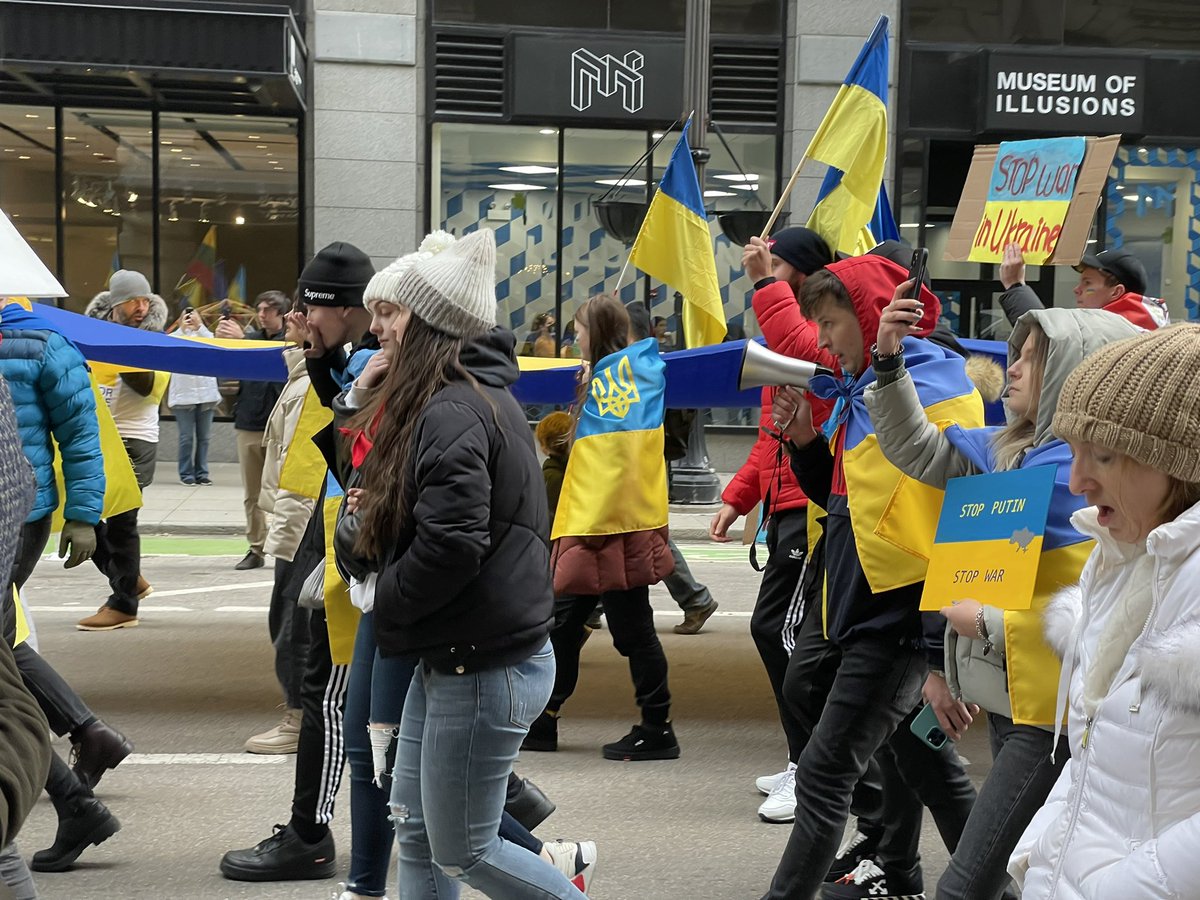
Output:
[[385, 284], [455, 291]]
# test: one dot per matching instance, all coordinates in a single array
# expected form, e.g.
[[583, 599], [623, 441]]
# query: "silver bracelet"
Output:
[[982, 632]]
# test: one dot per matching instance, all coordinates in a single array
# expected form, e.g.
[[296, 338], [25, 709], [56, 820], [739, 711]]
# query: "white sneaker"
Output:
[[766, 783], [780, 805], [576, 860], [341, 893], [283, 738]]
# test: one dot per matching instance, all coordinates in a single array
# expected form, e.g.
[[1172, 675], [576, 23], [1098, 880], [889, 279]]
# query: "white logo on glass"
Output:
[[607, 74]]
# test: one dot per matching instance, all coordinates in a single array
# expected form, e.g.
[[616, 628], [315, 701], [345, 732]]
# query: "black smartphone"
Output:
[[226, 310], [916, 270], [188, 311]]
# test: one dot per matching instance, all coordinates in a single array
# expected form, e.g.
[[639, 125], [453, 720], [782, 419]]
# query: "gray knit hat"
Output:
[[455, 291], [125, 284], [1138, 397]]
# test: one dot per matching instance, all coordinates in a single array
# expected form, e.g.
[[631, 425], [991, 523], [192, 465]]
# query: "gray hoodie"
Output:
[[919, 449]]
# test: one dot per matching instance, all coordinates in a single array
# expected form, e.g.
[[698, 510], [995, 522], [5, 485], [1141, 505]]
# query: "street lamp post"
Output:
[[693, 480]]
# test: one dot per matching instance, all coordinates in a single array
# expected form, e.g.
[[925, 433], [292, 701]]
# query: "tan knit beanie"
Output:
[[385, 284], [1138, 397], [455, 291]]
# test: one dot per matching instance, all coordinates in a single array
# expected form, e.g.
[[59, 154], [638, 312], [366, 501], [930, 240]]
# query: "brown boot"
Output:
[[143, 589], [107, 619], [694, 620]]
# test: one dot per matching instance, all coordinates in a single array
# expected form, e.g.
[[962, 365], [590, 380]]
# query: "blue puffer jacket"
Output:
[[53, 395]]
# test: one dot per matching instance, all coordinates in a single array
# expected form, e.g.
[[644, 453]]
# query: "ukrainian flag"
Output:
[[1033, 668], [888, 508], [616, 480], [852, 211], [674, 245]]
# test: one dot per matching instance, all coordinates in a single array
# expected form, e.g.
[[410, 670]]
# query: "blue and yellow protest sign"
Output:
[[1028, 197], [989, 539]]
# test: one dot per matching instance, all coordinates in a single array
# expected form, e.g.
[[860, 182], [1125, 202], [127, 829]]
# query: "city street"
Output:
[[195, 680]]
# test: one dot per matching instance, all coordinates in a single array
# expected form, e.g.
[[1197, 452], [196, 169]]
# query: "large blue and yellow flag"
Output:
[[675, 246], [852, 212], [616, 480], [1033, 668]]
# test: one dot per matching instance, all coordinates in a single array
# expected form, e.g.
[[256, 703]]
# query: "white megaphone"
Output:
[[762, 367]]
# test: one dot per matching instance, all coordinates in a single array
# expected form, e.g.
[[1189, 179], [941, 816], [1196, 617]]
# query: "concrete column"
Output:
[[822, 42], [365, 150]]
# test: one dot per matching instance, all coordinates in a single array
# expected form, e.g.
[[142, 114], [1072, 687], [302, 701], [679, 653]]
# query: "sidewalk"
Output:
[[172, 508]]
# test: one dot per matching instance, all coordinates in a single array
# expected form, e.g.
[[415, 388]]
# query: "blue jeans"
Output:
[[447, 803], [194, 423], [376, 693]]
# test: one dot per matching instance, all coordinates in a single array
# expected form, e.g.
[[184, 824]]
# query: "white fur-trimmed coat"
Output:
[[1123, 820]]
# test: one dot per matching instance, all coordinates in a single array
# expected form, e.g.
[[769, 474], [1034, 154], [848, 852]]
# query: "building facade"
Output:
[[129, 135]]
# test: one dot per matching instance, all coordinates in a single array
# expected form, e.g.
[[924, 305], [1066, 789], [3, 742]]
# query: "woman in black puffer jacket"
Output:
[[452, 513]]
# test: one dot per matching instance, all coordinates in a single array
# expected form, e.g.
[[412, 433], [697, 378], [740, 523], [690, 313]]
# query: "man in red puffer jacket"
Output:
[[778, 269]]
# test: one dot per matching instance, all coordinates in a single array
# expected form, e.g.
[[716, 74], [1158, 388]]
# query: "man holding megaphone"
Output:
[[778, 269]]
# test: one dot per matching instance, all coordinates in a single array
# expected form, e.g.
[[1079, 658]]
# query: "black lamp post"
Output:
[[693, 480]]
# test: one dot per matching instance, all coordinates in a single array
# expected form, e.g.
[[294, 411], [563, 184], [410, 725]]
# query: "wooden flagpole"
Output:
[[783, 198]]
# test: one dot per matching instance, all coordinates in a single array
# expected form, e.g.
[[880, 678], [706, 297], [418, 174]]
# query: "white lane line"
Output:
[[204, 759], [214, 589]]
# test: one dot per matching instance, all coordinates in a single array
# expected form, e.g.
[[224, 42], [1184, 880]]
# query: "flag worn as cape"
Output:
[[1033, 668], [852, 139], [675, 245], [304, 468], [616, 479], [886, 506]]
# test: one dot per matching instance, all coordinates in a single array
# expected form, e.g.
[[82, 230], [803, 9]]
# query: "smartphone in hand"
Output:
[[916, 270], [927, 729]]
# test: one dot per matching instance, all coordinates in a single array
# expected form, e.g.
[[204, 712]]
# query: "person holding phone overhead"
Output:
[[193, 399], [996, 659], [875, 666]]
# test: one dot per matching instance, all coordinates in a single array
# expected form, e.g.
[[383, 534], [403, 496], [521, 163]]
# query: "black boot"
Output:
[[98, 748], [526, 803], [87, 822], [646, 741], [543, 734], [282, 857]]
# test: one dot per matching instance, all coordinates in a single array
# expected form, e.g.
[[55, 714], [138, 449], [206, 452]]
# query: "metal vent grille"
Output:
[[469, 75], [745, 85]]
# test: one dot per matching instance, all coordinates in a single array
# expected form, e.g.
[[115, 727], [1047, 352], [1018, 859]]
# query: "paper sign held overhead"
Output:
[[989, 539], [23, 274], [1039, 194]]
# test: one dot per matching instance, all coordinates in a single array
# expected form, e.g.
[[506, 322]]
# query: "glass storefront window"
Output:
[[229, 208], [27, 176], [107, 217]]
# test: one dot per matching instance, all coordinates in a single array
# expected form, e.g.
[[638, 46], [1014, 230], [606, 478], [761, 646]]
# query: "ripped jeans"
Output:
[[447, 803]]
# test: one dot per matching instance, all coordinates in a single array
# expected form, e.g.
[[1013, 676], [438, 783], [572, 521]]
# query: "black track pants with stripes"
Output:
[[321, 756], [779, 610]]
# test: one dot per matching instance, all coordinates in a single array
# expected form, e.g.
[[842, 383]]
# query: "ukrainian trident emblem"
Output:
[[619, 395]]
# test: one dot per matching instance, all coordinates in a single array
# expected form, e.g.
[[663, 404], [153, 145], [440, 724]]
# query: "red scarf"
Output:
[[360, 443]]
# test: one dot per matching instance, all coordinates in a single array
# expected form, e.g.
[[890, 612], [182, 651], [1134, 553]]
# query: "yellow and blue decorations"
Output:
[[989, 539], [616, 480]]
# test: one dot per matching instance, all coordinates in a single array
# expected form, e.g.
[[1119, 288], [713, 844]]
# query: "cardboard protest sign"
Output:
[[989, 539], [1042, 194]]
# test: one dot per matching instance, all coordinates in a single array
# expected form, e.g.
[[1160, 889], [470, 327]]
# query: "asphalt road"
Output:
[[195, 680]]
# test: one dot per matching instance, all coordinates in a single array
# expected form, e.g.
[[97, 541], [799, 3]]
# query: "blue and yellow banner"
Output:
[[616, 480], [852, 140], [675, 246], [1029, 192], [989, 539]]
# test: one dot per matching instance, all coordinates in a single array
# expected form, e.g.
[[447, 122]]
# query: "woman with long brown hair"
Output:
[[610, 531], [452, 517]]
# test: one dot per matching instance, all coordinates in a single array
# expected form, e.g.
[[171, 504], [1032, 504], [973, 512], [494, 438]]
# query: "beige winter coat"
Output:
[[287, 513]]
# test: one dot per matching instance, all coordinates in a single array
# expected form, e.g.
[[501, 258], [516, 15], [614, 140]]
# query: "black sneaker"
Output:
[[645, 742], [869, 882], [282, 857], [204, 480], [543, 734], [859, 846]]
